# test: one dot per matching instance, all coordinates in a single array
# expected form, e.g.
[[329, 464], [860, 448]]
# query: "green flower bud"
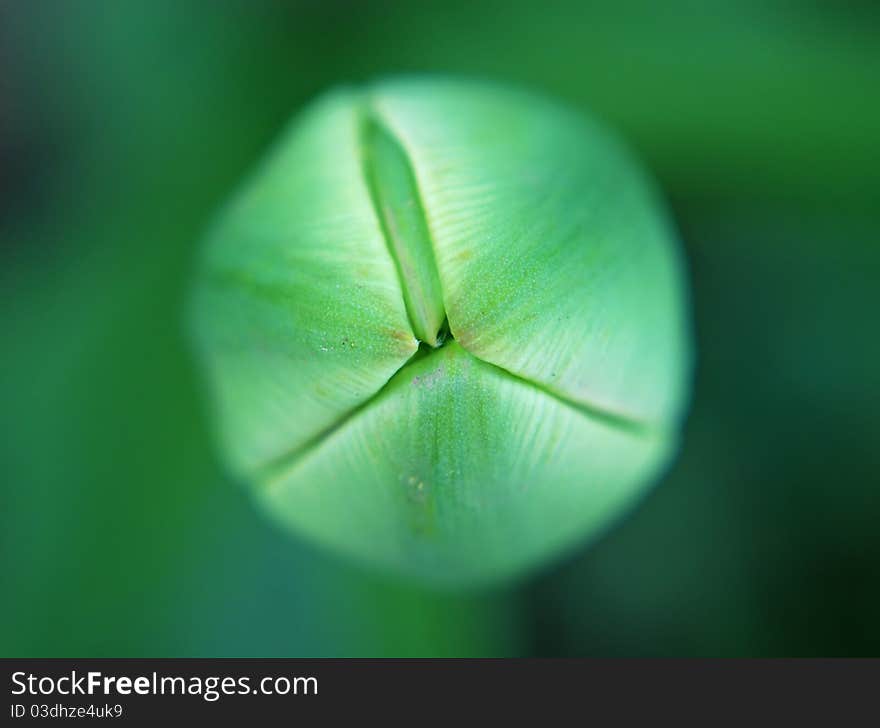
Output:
[[444, 326]]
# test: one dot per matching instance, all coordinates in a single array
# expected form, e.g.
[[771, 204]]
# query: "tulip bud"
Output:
[[445, 329]]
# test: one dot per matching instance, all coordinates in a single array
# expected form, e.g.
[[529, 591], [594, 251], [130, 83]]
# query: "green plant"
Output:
[[445, 328]]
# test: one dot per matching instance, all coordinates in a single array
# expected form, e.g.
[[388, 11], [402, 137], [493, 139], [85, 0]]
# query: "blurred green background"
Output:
[[124, 125]]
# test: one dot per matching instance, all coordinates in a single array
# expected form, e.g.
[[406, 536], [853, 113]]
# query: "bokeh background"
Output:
[[124, 125]]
